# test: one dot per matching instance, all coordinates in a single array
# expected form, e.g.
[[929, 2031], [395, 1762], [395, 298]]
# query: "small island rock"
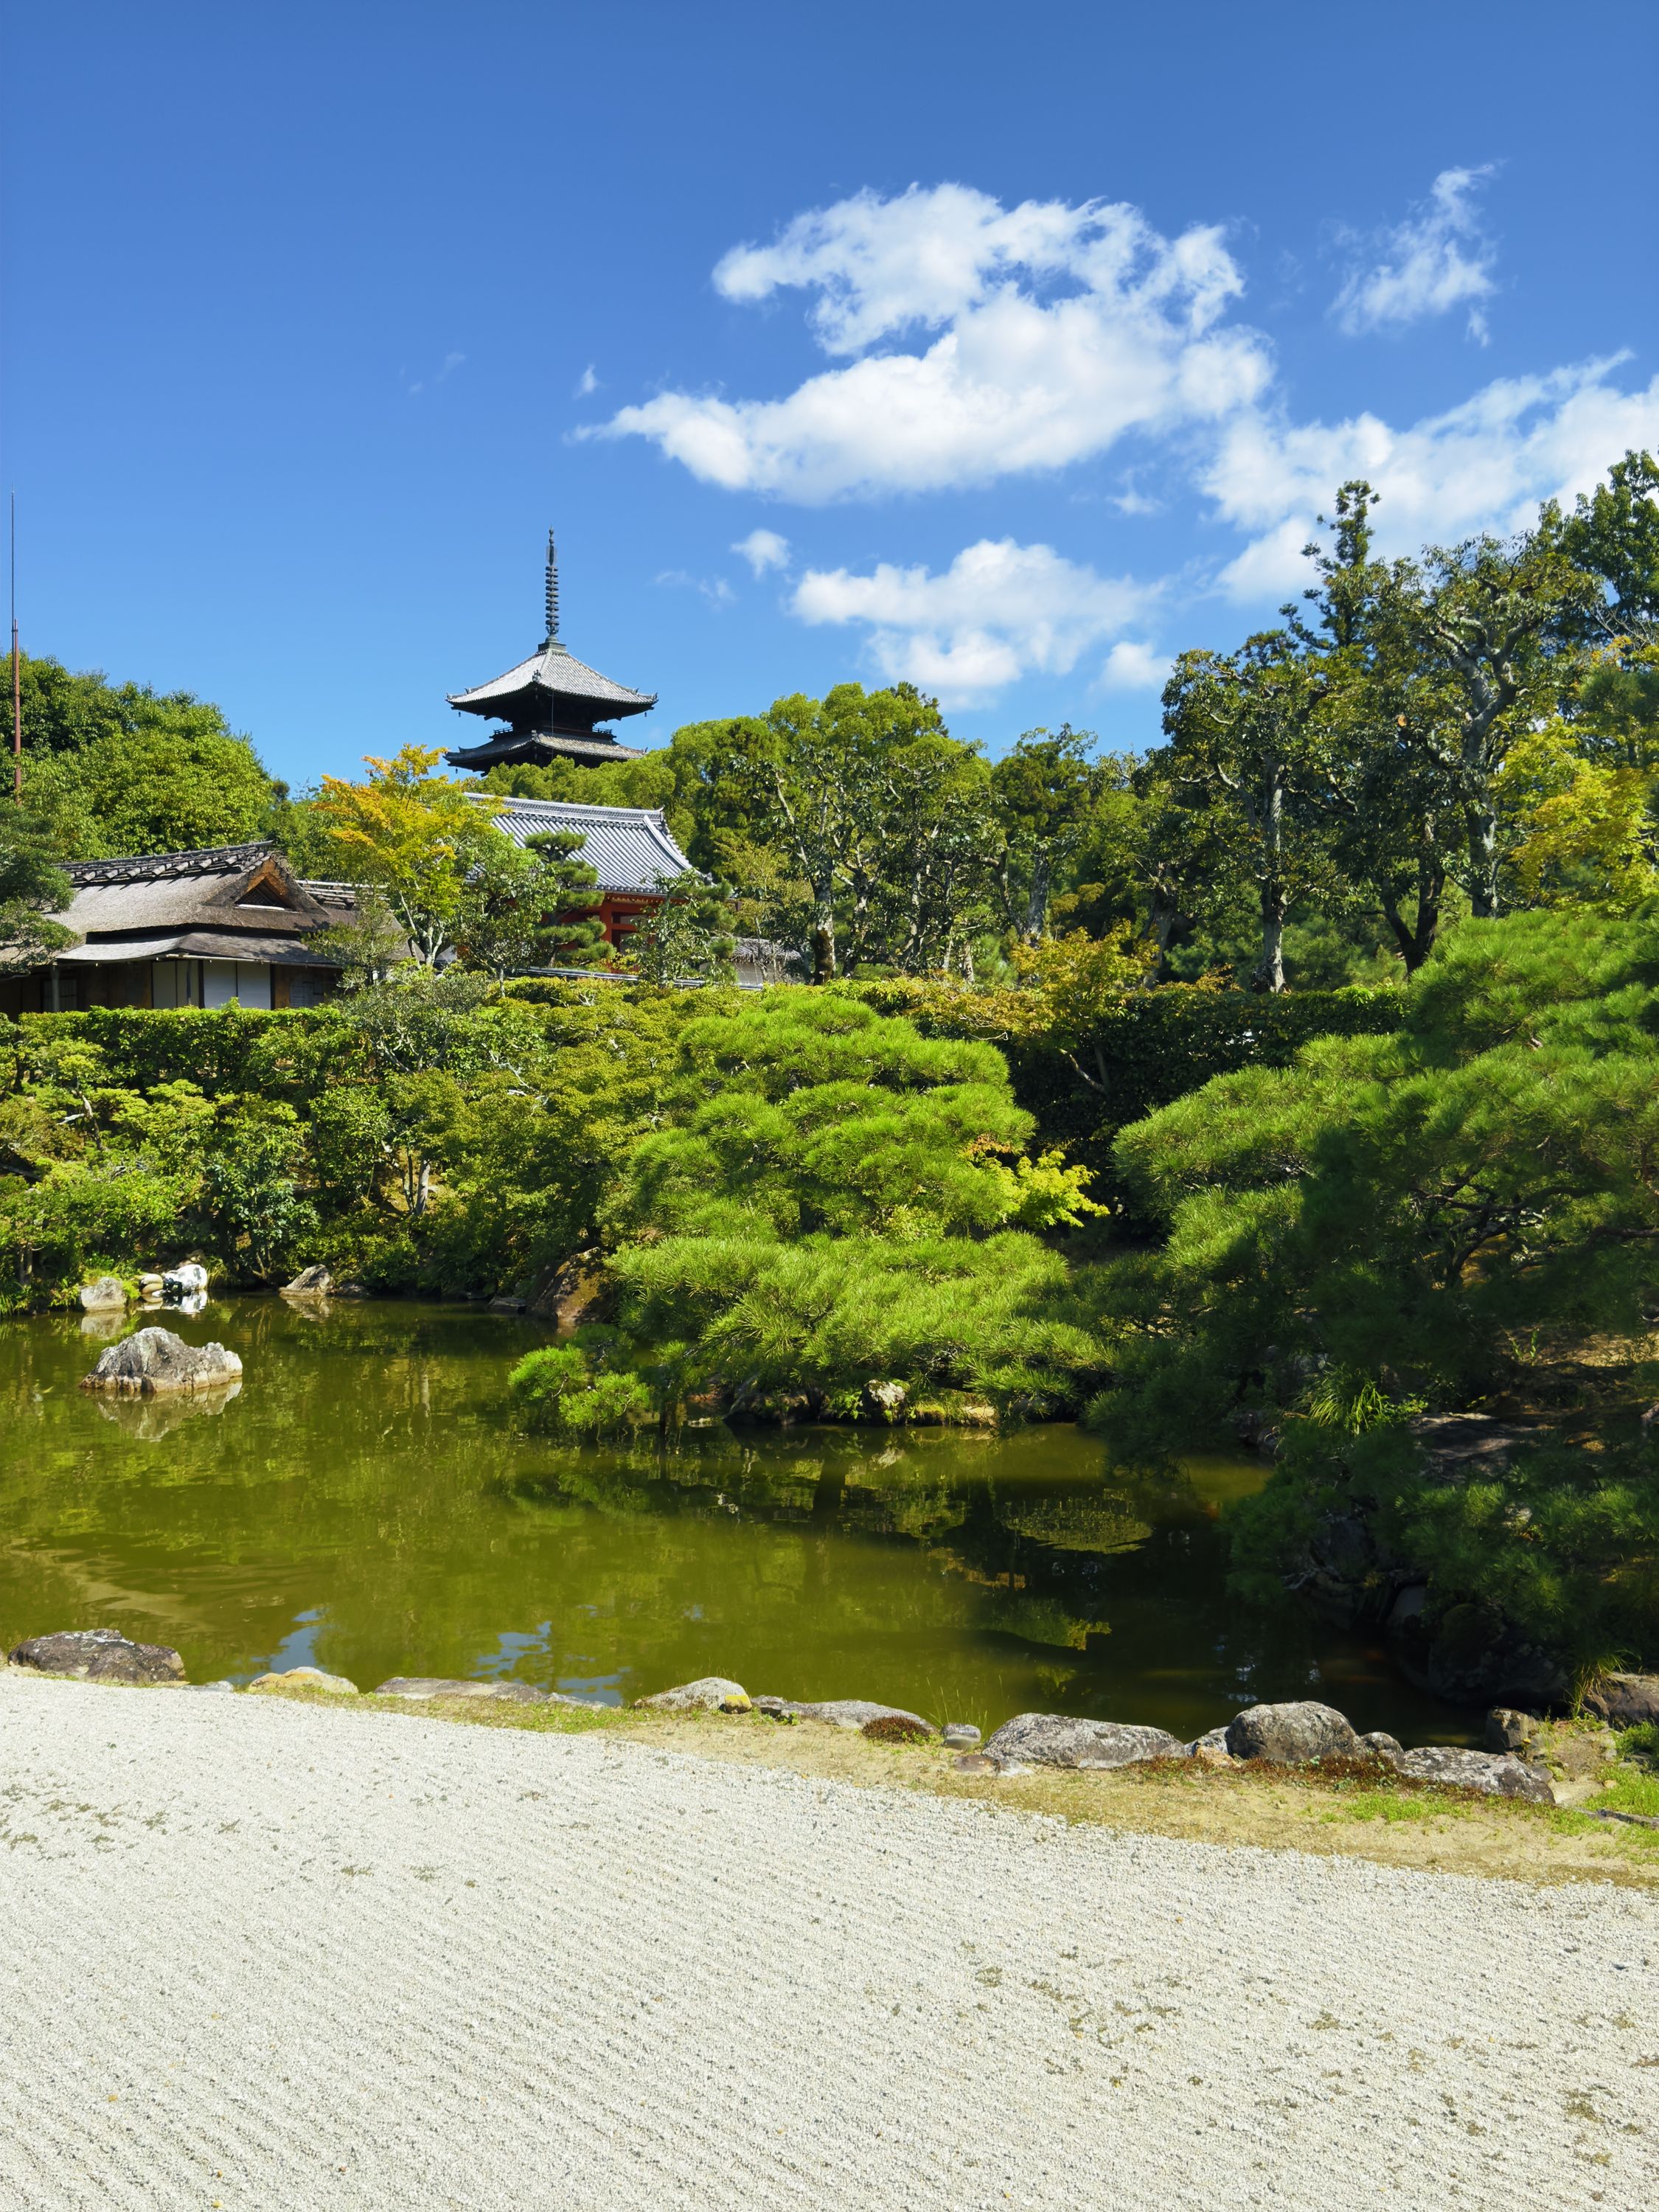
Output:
[[1292, 1734], [99, 1655], [883, 1401], [309, 1283], [710, 1694], [107, 1295], [1058, 1740], [1498, 1775], [153, 1361], [305, 1678]]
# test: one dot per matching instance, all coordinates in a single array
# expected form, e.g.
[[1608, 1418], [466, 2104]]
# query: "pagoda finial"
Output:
[[552, 591]]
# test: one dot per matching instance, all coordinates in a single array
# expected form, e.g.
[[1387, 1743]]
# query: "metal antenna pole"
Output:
[[552, 590], [17, 674]]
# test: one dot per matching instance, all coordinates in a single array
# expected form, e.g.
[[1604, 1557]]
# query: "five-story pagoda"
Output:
[[552, 704]]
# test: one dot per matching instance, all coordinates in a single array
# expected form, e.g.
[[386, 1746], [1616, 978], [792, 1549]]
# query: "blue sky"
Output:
[[1011, 351]]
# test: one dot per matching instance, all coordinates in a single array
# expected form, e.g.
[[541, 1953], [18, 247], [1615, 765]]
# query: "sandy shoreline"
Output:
[[259, 1953]]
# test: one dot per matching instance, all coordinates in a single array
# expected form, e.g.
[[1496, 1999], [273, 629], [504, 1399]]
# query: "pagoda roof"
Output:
[[553, 673], [631, 850]]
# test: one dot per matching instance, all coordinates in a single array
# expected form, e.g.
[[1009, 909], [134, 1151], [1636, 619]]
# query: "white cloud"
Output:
[[1060, 328], [1485, 464], [715, 589], [1133, 666], [1000, 611], [764, 550], [1439, 257], [587, 383]]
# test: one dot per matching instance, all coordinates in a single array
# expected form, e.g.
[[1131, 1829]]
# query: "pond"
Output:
[[364, 1504]]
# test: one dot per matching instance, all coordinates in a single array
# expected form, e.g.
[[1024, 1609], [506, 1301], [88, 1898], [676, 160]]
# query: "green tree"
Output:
[[686, 936], [415, 838], [1045, 788], [31, 890], [1245, 737]]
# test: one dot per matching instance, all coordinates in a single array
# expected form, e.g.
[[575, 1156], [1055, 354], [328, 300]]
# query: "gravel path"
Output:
[[258, 1954]]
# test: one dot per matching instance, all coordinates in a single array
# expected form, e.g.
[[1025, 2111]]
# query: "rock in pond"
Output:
[[185, 1281], [154, 1360], [443, 1685], [1498, 1775], [100, 1654], [709, 1693], [305, 1678], [1292, 1734], [309, 1283], [107, 1295], [1057, 1740], [960, 1735], [1626, 1700]]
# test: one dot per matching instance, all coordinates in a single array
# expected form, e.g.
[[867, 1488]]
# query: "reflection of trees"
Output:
[[368, 1473]]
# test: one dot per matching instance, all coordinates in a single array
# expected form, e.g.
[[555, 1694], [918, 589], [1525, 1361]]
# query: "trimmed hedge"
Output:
[[214, 1048], [1139, 1054]]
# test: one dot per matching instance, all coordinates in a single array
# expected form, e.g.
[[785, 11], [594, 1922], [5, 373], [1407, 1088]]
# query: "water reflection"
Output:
[[364, 1499]]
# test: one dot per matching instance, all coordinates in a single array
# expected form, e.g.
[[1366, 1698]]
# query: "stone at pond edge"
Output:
[[99, 1655], [1510, 1730], [107, 1295], [1058, 1740], [1470, 1655], [1626, 1700], [1291, 1734], [1498, 1776], [184, 1282], [1211, 1748], [1379, 1744], [309, 1283], [977, 1762], [442, 1686], [710, 1694], [153, 1361], [882, 1402], [305, 1678], [960, 1735], [853, 1713]]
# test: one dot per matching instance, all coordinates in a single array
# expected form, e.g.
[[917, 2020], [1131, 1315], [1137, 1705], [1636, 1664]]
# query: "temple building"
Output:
[[631, 850], [552, 705], [186, 929]]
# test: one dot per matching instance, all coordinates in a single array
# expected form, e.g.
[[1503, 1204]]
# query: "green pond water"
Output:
[[365, 1504]]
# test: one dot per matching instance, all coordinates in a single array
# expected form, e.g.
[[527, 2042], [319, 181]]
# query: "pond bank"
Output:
[[270, 1950]]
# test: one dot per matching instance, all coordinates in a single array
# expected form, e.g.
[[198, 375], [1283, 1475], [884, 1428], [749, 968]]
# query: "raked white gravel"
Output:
[[266, 1956]]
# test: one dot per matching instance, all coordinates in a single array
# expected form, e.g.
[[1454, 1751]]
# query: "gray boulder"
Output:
[[1058, 1740], [1510, 1730], [107, 1295], [1626, 1700], [1210, 1747], [305, 1678], [850, 1712], [1380, 1745], [1292, 1735], [709, 1693], [1498, 1775], [309, 1283], [442, 1686], [185, 1281], [960, 1735], [883, 1401], [154, 1361], [100, 1654]]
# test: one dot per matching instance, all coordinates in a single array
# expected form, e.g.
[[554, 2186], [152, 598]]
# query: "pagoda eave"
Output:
[[539, 748]]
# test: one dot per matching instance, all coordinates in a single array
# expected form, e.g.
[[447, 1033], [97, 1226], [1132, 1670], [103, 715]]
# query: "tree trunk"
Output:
[[1036, 905], [1483, 862], [823, 938], [1270, 969], [1416, 943]]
